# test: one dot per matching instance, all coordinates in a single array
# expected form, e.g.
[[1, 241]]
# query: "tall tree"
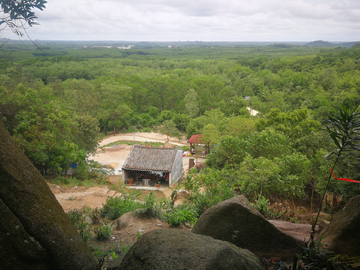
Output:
[[114, 110], [191, 103]]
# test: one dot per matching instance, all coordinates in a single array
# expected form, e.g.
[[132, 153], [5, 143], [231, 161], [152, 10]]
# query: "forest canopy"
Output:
[[57, 99]]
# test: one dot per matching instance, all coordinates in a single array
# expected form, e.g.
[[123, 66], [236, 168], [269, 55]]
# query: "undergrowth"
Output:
[[116, 207], [319, 257]]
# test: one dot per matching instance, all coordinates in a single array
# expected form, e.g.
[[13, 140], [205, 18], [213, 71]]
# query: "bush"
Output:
[[181, 214], [93, 170], [219, 186], [262, 205], [78, 220], [115, 207], [103, 232], [151, 206]]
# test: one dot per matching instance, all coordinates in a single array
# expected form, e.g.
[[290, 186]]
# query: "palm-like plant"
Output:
[[344, 130]]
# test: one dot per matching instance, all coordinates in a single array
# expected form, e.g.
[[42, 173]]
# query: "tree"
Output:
[[191, 103], [293, 124], [228, 153], [169, 128], [211, 135], [267, 143], [80, 97], [18, 14], [258, 175], [344, 130], [114, 112], [236, 126]]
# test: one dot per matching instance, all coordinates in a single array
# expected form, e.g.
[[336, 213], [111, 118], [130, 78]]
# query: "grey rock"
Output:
[[174, 249], [237, 222], [342, 235], [35, 232]]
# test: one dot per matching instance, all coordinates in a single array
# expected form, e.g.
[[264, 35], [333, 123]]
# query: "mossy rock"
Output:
[[237, 222], [34, 231], [342, 235], [175, 249]]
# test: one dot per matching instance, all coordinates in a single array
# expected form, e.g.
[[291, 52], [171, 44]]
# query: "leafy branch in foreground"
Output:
[[19, 12], [343, 130]]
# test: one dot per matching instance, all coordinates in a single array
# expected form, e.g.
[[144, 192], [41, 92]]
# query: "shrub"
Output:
[[103, 232], [78, 220], [151, 207], [317, 257], [181, 214], [262, 205], [192, 181], [219, 186], [115, 207], [93, 170]]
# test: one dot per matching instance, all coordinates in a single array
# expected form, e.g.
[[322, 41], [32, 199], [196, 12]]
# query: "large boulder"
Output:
[[173, 249], [35, 233], [237, 222], [343, 233]]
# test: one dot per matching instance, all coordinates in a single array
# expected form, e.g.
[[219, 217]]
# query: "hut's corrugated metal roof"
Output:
[[143, 158]]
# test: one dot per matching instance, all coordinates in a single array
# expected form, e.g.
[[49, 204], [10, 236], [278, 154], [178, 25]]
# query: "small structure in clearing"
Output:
[[197, 146], [152, 166]]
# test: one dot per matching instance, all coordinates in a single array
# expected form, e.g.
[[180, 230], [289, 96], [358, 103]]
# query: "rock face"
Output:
[[299, 231], [173, 249], [35, 233], [125, 220], [343, 233], [237, 222]]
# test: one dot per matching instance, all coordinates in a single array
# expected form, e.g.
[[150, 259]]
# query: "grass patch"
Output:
[[153, 144]]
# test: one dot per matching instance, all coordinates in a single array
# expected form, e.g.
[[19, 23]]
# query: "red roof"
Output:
[[195, 139]]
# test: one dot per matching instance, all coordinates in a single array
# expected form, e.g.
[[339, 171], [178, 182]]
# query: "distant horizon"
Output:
[[178, 41]]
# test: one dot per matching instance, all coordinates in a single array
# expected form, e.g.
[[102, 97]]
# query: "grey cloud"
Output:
[[199, 20]]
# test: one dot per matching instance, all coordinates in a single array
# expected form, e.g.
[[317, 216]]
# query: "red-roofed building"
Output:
[[195, 139], [197, 146]]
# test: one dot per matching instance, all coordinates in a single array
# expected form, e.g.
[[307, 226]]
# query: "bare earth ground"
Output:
[[94, 197]]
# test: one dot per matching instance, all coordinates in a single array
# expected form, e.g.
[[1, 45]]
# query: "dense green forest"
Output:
[[56, 100]]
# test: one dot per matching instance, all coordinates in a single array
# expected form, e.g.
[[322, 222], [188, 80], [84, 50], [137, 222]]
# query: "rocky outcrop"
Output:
[[296, 230], [173, 249], [125, 220], [342, 235], [237, 222], [35, 233]]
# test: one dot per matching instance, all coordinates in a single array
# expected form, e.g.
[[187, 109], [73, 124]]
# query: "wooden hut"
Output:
[[149, 165]]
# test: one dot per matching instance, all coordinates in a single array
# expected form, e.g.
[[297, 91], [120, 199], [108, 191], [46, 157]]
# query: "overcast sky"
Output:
[[201, 20]]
